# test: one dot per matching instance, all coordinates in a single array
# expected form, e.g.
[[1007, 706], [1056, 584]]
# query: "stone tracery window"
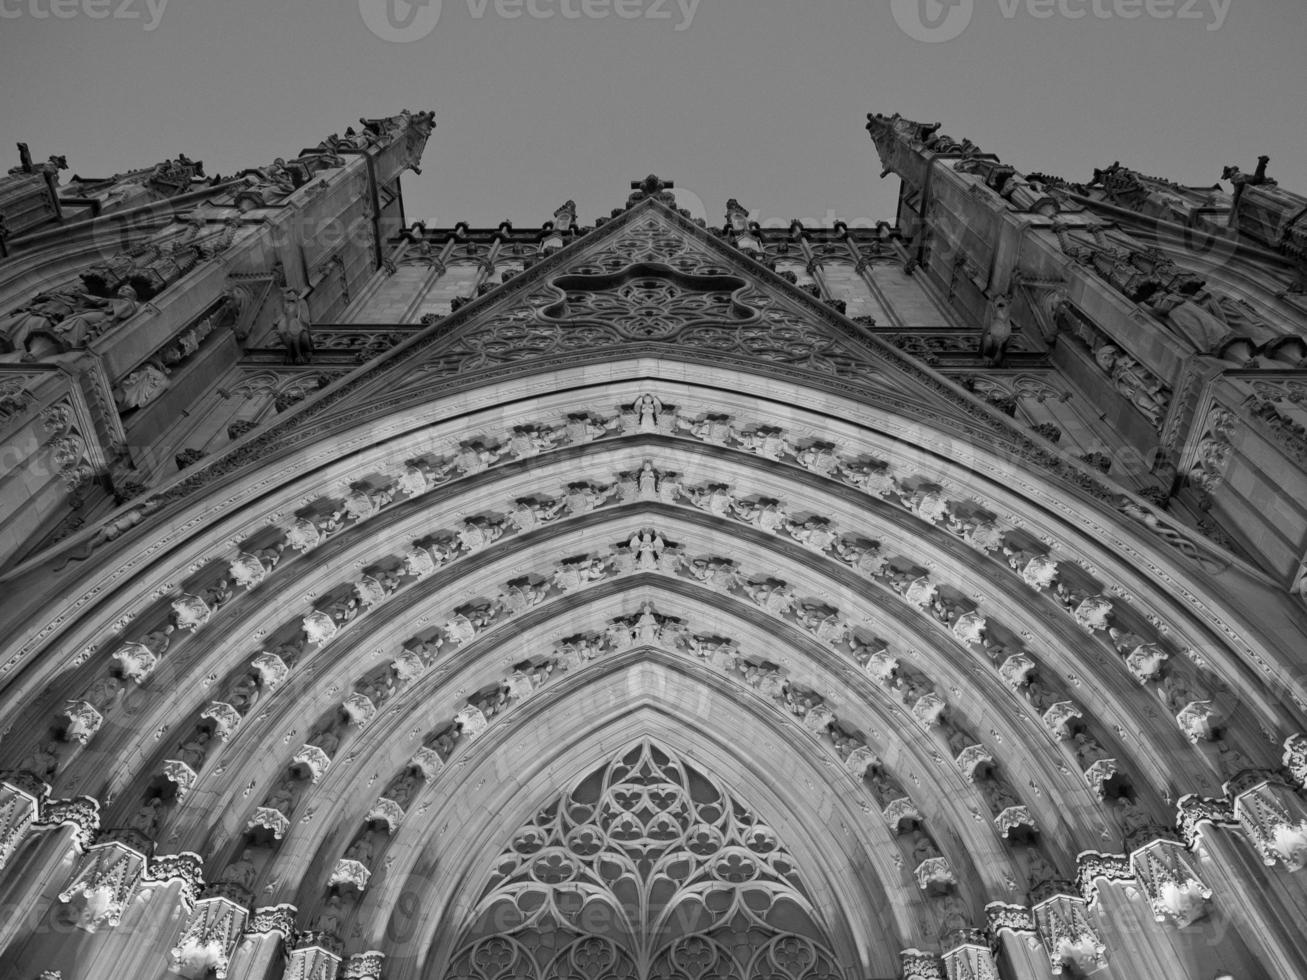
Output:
[[645, 870]]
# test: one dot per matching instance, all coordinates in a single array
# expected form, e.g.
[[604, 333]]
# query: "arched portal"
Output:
[[646, 868], [646, 619]]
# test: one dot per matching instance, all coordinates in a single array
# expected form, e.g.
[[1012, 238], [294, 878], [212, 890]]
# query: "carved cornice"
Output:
[[1013, 918], [1094, 865], [187, 867], [1193, 811], [279, 919], [82, 813]]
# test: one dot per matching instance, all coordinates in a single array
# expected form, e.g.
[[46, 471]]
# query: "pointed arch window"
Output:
[[648, 869]]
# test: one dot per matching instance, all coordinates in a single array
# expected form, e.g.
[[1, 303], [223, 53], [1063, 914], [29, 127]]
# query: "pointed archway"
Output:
[[709, 523], [646, 869]]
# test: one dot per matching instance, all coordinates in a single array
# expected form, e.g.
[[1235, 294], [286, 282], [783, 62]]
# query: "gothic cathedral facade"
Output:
[[649, 599]]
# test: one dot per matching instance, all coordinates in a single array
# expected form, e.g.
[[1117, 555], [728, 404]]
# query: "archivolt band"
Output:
[[644, 620]]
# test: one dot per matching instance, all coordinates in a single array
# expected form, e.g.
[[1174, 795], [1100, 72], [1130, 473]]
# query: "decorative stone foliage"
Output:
[[210, 938], [104, 881], [1068, 937]]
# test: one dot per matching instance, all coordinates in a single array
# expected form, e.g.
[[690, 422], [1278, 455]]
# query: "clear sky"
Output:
[[538, 101]]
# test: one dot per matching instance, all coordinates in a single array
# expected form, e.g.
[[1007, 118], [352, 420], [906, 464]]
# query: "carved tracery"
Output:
[[646, 869]]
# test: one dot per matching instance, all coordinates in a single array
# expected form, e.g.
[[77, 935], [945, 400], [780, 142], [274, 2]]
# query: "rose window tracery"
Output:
[[647, 869], [649, 302]]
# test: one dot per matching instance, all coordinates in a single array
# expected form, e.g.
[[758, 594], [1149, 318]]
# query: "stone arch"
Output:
[[906, 474]]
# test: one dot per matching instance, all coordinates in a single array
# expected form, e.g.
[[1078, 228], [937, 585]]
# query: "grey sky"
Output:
[[763, 100]]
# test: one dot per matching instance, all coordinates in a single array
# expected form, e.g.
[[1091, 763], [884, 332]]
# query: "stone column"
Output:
[[1070, 939], [112, 917], [316, 956], [210, 937], [1141, 945], [42, 860], [1019, 953], [39, 867], [970, 960], [137, 945], [20, 805], [1265, 905], [259, 950]]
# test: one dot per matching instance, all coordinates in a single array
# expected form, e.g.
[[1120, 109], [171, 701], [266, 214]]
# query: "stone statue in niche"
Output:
[[647, 414], [325, 739], [716, 429], [293, 327], [648, 547], [884, 787], [474, 456], [823, 621], [479, 532], [1134, 383], [766, 680], [360, 851], [763, 513], [815, 532], [768, 442], [576, 651], [578, 572], [820, 458], [145, 821], [875, 658], [241, 872], [771, 594], [720, 653], [716, 573], [526, 679], [1087, 750], [715, 498], [583, 497], [1036, 570], [43, 762], [96, 317], [648, 484], [928, 503], [106, 694], [1209, 322], [363, 502], [331, 917], [526, 441], [582, 427], [282, 797], [873, 477], [521, 594], [862, 555], [998, 330], [403, 788], [194, 750], [982, 534], [529, 513]]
